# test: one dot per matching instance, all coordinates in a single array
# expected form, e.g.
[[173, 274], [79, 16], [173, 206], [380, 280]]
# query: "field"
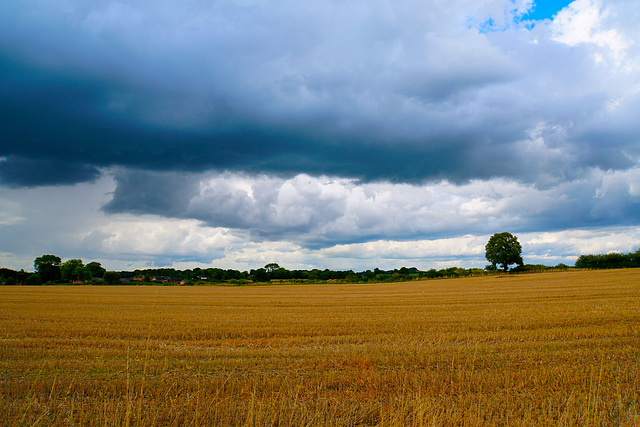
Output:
[[540, 349]]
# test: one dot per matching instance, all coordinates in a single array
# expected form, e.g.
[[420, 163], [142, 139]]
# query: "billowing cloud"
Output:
[[370, 225], [323, 211], [582, 23]]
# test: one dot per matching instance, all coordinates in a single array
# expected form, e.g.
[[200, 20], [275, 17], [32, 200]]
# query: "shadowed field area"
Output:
[[540, 349]]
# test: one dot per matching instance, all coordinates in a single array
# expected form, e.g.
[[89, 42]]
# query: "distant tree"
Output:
[[74, 269], [314, 275], [503, 249], [352, 277], [259, 275], [96, 269], [48, 268], [271, 267], [8, 276], [111, 277], [611, 260], [281, 274], [432, 273]]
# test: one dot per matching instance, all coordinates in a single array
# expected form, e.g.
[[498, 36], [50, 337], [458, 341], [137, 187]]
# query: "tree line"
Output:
[[50, 269], [502, 250], [608, 261]]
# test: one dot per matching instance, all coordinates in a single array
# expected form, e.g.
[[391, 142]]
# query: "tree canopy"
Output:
[[96, 269], [503, 249], [74, 269], [271, 267], [611, 260], [48, 268]]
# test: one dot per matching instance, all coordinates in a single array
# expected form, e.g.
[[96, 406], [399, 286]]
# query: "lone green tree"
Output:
[[503, 249]]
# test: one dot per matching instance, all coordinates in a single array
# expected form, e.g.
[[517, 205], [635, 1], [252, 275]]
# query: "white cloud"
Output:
[[153, 236], [312, 209], [624, 183], [582, 22]]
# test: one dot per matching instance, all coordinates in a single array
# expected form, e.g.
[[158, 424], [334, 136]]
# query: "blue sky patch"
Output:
[[542, 9], [545, 9]]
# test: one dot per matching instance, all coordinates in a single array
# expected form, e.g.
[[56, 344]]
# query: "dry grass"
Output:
[[544, 349]]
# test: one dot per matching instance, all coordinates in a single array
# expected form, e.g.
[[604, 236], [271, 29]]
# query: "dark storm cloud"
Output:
[[21, 172], [139, 192], [402, 92], [58, 118]]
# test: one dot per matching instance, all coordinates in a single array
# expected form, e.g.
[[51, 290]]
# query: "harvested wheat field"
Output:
[[541, 349]]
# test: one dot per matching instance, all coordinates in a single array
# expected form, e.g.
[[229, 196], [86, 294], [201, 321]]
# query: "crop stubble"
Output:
[[540, 349]]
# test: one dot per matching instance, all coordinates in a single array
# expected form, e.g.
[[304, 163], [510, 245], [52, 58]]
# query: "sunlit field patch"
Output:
[[540, 349]]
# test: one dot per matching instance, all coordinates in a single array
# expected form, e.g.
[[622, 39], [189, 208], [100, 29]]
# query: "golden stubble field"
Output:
[[540, 349]]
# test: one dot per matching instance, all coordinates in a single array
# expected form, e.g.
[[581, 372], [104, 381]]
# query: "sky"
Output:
[[541, 10], [345, 134]]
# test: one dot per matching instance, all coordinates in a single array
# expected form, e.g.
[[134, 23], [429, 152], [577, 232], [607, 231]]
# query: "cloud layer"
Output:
[[407, 92], [243, 222], [320, 211]]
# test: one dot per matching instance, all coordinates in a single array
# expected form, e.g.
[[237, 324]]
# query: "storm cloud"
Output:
[[406, 92]]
